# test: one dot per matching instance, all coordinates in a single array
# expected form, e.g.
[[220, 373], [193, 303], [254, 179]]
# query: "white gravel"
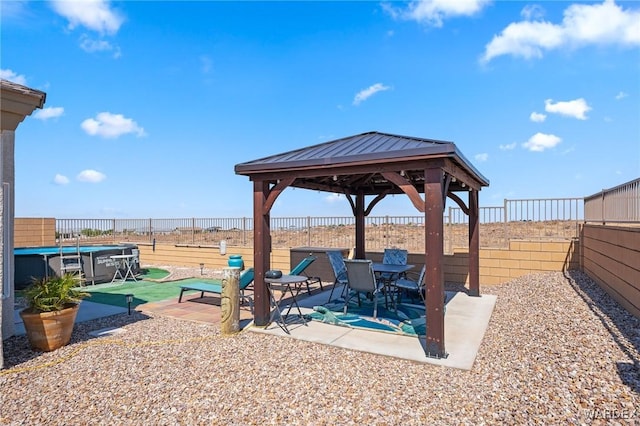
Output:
[[557, 351]]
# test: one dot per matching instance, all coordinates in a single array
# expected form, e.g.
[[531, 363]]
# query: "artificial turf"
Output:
[[142, 291]]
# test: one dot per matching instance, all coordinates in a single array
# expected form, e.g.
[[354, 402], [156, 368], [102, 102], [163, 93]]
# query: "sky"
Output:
[[151, 104]]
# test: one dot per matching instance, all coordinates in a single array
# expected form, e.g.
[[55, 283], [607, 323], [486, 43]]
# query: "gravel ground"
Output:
[[557, 351]]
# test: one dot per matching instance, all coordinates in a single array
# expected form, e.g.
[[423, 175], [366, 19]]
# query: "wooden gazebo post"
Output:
[[434, 275], [359, 215], [474, 243], [261, 251]]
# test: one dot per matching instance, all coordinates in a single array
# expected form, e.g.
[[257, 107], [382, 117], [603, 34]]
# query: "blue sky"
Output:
[[151, 104]]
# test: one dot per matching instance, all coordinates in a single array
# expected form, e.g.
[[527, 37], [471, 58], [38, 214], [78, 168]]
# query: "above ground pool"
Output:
[[39, 262]]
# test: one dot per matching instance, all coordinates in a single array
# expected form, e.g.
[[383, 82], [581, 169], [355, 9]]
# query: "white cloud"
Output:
[[541, 141], [59, 179], [576, 108], [91, 176], [110, 125], [537, 117], [333, 198], [95, 15], [7, 74], [621, 95], [91, 45], [508, 147], [582, 24], [364, 94], [14, 9], [481, 157], [48, 112], [530, 12], [434, 12]]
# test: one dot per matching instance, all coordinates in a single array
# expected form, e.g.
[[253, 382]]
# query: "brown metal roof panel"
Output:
[[368, 145]]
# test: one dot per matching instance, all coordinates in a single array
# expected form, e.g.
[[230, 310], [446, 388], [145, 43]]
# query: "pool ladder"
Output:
[[71, 263]]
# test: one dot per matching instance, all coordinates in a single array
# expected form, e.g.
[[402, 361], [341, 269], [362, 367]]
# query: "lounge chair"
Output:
[[362, 279], [301, 267], [246, 278]]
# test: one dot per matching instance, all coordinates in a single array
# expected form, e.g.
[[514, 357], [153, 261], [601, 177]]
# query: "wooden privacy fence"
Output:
[[531, 218]]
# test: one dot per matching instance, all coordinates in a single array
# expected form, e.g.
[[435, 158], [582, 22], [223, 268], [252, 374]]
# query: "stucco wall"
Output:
[[611, 257]]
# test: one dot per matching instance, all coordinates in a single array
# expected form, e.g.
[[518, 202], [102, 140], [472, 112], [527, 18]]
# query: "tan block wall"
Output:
[[525, 257], [611, 257], [496, 265], [501, 265], [34, 232], [192, 256]]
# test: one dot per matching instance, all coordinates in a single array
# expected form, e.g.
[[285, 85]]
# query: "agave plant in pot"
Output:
[[52, 306]]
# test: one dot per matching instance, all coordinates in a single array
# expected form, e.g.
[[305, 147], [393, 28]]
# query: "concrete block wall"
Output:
[[192, 256], [34, 231], [611, 257], [496, 265], [525, 257]]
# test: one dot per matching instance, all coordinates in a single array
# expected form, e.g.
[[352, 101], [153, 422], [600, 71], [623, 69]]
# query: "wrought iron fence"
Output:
[[534, 218], [620, 204]]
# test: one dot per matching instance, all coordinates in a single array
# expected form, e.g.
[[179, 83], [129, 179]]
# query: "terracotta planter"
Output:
[[48, 331]]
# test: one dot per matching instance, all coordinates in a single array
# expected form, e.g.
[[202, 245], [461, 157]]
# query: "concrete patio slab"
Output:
[[466, 321]]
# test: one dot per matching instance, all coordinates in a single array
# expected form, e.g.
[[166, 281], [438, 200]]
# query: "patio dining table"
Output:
[[393, 272]]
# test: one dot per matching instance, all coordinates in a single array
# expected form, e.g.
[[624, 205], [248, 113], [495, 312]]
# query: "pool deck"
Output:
[[466, 321]]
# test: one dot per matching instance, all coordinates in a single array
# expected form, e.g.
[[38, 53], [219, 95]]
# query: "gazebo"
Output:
[[374, 164]]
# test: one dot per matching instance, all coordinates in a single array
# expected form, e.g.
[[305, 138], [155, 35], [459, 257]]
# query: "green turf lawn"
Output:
[[154, 273], [143, 291]]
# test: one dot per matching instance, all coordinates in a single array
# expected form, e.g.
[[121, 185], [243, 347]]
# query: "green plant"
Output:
[[53, 293]]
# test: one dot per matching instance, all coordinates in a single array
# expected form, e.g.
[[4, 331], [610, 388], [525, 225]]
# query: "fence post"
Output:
[[602, 209], [386, 231], [308, 231], [506, 222], [244, 231]]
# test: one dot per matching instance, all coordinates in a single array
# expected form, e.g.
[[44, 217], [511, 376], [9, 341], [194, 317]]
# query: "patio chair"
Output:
[[394, 256], [301, 267], [135, 261], [362, 279], [245, 280], [411, 286], [339, 270]]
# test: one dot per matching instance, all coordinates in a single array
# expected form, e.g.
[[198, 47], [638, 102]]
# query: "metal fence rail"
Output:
[[620, 204], [533, 218]]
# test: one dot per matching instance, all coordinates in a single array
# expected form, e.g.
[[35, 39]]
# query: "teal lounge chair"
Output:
[[246, 278], [301, 267]]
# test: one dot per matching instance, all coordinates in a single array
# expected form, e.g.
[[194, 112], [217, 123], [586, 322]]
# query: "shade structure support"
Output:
[[474, 243], [261, 249], [434, 273]]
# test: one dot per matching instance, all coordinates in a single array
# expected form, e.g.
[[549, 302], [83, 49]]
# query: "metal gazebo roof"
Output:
[[354, 163]]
